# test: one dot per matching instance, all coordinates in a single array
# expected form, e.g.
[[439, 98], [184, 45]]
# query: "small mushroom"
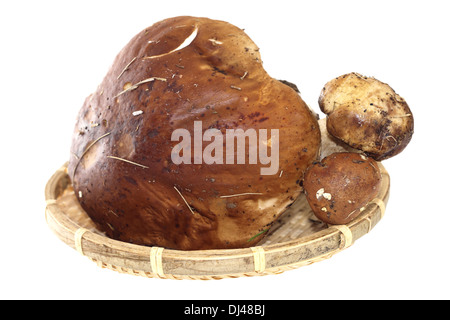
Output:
[[341, 185], [367, 114]]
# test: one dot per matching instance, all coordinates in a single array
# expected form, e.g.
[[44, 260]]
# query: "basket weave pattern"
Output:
[[296, 240]]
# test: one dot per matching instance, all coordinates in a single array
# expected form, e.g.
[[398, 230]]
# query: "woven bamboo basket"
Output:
[[296, 239]]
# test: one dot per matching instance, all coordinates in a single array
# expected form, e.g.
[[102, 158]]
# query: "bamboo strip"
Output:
[[259, 259]]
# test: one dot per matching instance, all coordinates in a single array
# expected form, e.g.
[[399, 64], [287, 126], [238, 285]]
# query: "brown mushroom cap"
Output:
[[339, 186], [367, 114], [121, 151]]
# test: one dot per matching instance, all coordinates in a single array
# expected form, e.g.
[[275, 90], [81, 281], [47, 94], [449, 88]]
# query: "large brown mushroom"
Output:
[[192, 75]]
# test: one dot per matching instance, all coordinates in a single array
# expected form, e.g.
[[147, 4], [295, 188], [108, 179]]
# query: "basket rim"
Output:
[[171, 263]]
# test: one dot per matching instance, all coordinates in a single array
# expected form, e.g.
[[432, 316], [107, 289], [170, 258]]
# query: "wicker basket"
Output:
[[297, 239]]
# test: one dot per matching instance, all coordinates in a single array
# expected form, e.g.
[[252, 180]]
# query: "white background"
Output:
[[54, 53]]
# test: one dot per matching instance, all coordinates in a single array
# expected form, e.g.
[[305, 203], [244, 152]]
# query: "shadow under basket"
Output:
[[296, 239]]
